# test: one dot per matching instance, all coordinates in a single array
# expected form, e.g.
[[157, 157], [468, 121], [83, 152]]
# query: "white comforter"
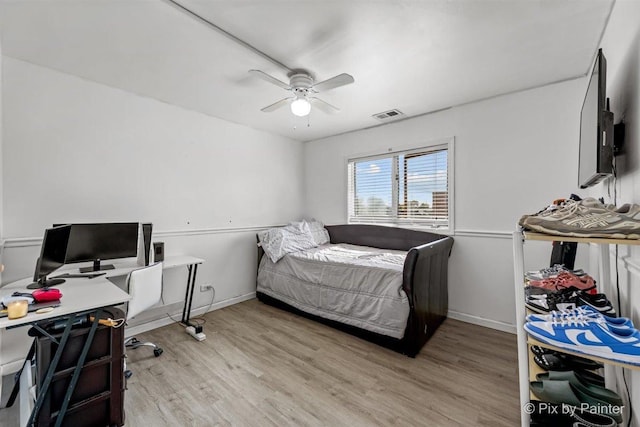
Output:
[[355, 285]]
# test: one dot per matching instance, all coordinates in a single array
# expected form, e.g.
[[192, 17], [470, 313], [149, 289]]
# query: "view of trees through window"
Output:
[[410, 185]]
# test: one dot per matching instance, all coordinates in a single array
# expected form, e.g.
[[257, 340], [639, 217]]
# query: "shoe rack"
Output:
[[527, 368]]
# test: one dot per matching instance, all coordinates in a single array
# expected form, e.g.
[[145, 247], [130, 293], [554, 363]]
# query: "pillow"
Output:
[[319, 233], [277, 242]]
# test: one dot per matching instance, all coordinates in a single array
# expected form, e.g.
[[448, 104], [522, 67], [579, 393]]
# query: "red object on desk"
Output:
[[45, 295]]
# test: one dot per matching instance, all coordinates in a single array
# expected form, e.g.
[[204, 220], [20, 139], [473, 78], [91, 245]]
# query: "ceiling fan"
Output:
[[303, 88]]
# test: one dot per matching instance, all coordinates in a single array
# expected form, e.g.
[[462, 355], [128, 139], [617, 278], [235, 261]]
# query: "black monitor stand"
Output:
[[43, 282], [97, 267]]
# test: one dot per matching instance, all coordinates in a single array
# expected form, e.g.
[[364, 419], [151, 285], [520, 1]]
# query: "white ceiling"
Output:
[[414, 55]]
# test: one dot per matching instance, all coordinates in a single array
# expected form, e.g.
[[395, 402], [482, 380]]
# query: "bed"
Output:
[[385, 284]]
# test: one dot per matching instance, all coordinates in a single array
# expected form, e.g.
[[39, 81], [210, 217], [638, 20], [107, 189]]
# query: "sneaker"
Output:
[[567, 301], [538, 292], [546, 211], [550, 272], [566, 280], [598, 302], [583, 311], [592, 337], [563, 205], [551, 303], [557, 361], [588, 218]]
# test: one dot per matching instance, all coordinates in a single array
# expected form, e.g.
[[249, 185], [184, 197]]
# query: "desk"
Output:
[[174, 261], [79, 296], [83, 294], [192, 266]]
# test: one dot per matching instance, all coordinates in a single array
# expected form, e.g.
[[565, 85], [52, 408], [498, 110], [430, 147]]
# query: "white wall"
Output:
[[75, 151], [621, 47], [1, 186], [513, 155]]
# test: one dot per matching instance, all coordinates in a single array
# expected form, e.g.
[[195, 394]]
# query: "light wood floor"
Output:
[[262, 366]]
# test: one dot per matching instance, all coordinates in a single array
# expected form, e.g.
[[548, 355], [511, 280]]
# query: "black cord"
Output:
[[618, 285], [629, 397], [615, 180], [201, 319]]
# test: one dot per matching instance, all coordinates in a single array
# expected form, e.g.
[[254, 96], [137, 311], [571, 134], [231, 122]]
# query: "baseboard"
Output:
[[463, 317], [175, 317], [480, 321]]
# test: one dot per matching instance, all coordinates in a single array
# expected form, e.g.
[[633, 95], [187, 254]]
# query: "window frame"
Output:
[[424, 225]]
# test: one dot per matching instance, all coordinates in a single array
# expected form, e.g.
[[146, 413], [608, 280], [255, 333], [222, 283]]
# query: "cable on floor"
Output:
[[202, 319]]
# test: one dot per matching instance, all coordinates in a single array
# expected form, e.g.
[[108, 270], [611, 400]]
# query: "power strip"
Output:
[[200, 336]]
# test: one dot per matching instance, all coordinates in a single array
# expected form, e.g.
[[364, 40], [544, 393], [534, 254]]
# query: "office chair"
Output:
[[145, 287]]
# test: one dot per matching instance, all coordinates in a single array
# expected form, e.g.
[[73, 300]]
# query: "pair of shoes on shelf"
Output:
[[566, 280], [587, 218], [592, 335], [546, 414], [576, 390], [550, 272], [567, 299], [551, 360], [582, 311], [550, 210]]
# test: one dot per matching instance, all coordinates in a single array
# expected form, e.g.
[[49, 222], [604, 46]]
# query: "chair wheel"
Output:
[[127, 374], [157, 352]]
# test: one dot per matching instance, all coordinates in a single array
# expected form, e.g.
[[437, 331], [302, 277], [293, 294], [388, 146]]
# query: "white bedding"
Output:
[[355, 285]]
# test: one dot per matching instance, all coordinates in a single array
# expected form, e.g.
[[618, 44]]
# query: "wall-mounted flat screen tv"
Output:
[[596, 129]]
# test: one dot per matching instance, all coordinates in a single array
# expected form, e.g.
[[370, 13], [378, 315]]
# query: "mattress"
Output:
[[356, 285]]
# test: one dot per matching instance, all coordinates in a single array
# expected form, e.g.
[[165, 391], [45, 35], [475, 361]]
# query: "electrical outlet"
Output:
[[205, 288]]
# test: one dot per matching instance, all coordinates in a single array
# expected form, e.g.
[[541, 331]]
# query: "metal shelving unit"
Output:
[[526, 367]]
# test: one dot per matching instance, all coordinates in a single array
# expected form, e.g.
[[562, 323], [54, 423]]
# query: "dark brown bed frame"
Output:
[[425, 281]]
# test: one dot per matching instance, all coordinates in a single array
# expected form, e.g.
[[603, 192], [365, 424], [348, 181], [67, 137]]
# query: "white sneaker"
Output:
[[588, 218]]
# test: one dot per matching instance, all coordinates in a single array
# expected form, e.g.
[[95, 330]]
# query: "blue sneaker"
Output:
[[590, 336], [582, 311]]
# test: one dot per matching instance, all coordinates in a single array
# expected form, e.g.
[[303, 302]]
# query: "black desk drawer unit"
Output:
[[98, 398]]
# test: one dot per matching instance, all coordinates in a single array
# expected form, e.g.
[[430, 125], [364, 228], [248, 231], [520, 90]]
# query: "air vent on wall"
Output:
[[388, 115]]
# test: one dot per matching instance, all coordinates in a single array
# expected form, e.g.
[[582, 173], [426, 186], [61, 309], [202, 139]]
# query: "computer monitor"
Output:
[[52, 256], [100, 241]]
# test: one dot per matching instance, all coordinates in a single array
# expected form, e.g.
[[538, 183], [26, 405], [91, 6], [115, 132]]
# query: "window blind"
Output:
[[405, 187]]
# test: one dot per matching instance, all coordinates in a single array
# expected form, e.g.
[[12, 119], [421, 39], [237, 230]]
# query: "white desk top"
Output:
[[124, 268], [180, 261], [80, 294], [77, 295]]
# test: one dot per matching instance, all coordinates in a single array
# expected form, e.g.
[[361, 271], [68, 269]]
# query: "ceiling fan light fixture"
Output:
[[300, 107]]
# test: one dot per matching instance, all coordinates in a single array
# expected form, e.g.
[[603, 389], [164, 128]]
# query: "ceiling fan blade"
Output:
[[334, 82], [276, 105], [266, 77], [323, 106]]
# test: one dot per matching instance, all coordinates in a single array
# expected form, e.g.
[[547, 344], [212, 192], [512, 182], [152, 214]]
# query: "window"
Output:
[[404, 188]]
